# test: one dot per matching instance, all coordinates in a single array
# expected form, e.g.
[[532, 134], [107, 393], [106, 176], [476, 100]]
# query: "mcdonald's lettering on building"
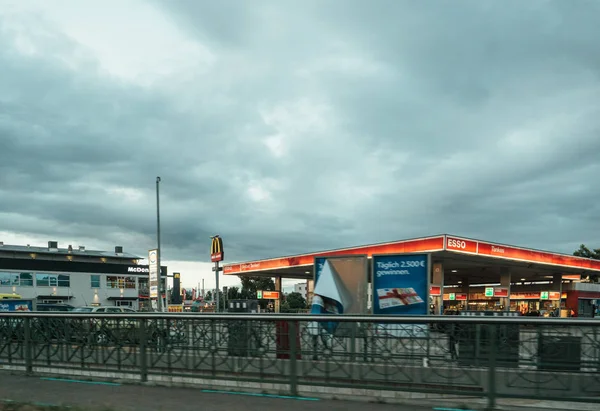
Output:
[[216, 250]]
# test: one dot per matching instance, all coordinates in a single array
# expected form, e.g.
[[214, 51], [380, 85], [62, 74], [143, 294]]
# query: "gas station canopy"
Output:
[[480, 261]]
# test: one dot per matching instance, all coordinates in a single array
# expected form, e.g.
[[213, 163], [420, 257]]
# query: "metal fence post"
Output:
[[168, 342], [427, 359], [143, 350], [353, 332], [293, 334], [491, 389], [214, 347], [28, 346]]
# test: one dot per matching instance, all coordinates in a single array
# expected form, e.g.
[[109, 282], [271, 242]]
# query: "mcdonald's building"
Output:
[[459, 274], [74, 276]]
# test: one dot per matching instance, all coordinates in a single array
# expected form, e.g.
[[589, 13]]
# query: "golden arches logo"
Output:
[[216, 250]]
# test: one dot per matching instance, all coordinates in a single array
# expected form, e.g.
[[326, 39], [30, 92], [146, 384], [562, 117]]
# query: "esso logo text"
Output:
[[454, 243]]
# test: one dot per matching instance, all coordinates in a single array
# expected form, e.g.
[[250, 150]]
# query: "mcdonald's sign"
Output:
[[216, 250]]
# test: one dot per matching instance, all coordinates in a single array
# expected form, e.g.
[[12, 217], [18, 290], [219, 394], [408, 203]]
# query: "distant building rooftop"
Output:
[[79, 251]]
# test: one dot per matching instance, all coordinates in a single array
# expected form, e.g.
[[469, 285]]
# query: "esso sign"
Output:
[[458, 244]]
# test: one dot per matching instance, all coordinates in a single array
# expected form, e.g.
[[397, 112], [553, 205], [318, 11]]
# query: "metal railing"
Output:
[[488, 357]]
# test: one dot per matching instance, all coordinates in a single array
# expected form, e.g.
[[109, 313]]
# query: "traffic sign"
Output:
[[220, 268]]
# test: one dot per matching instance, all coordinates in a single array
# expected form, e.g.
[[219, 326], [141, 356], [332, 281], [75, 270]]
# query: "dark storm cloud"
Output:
[[321, 124], [68, 136]]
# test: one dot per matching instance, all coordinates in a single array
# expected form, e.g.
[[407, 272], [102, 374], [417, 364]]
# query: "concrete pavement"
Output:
[[114, 396], [103, 396]]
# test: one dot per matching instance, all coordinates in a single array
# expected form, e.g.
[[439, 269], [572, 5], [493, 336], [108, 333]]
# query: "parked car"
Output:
[[123, 330], [109, 309], [54, 307], [88, 330], [107, 330]]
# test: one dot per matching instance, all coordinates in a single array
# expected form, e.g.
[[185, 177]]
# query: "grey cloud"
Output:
[[396, 119]]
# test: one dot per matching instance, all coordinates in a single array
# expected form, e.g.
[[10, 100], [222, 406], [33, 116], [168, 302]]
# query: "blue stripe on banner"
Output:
[[251, 394], [319, 308], [113, 384]]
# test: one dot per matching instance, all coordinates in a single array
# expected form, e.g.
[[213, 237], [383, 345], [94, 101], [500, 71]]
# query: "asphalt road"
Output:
[[96, 396]]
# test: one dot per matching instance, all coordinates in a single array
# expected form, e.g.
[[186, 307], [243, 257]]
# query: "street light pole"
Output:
[[159, 302]]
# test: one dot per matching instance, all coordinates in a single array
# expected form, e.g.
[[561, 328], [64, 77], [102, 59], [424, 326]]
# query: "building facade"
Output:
[[302, 288], [74, 276]]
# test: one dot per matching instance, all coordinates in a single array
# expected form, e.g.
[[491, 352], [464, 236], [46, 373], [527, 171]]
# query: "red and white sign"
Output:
[[457, 297], [554, 295], [460, 244], [270, 295], [435, 290], [500, 292]]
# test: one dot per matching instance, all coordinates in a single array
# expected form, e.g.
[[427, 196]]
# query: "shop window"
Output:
[[52, 280], [120, 282], [46, 280], [112, 282], [8, 279], [144, 290], [95, 281], [124, 304], [26, 280], [130, 282]]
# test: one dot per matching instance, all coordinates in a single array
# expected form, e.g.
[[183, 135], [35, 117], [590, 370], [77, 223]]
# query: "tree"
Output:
[[587, 253], [250, 285], [233, 293], [295, 301]]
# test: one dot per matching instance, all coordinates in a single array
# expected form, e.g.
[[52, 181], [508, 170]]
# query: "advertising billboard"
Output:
[[16, 305], [340, 288], [348, 276], [401, 287]]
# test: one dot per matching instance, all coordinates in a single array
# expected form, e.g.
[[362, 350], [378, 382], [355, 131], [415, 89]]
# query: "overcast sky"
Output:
[[294, 126]]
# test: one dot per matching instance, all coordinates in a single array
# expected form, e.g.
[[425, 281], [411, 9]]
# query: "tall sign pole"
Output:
[[159, 297], [153, 269], [216, 254]]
